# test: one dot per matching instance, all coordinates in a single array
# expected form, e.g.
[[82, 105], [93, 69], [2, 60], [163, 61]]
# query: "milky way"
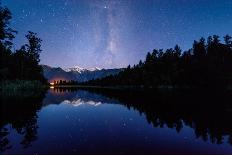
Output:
[[109, 34]]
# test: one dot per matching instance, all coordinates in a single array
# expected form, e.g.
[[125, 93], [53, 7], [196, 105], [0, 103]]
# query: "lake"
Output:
[[87, 121]]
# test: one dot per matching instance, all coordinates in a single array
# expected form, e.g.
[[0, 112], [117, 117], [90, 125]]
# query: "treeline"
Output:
[[207, 64], [23, 63], [64, 82]]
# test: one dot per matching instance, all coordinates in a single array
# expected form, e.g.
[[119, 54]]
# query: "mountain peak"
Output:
[[75, 69], [77, 73], [80, 69], [94, 69]]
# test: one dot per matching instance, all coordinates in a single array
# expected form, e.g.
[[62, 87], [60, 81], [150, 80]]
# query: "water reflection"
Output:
[[208, 114], [75, 97], [19, 114]]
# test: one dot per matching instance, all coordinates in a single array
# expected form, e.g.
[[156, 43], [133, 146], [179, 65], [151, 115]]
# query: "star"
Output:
[[118, 33]]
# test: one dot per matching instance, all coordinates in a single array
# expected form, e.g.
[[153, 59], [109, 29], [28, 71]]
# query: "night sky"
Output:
[[109, 34]]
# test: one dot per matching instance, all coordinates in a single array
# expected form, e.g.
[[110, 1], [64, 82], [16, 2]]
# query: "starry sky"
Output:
[[115, 33]]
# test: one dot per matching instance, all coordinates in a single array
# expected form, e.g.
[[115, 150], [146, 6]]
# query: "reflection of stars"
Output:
[[25, 14], [66, 3]]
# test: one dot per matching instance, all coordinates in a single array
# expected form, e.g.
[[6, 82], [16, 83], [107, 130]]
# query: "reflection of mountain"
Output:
[[79, 102], [200, 111], [78, 97]]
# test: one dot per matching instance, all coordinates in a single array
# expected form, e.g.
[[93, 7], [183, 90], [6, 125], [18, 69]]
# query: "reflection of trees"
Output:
[[4, 142], [65, 89], [206, 113], [21, 115], [207, 125]]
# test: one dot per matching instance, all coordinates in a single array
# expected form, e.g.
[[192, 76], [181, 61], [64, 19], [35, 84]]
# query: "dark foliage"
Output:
[[21, 113], [202, 113], [22, 64], [64, 82], [206, 112], [204, 65]]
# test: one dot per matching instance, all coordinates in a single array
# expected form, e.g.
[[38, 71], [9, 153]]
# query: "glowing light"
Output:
[[52, 84], [51, 87]]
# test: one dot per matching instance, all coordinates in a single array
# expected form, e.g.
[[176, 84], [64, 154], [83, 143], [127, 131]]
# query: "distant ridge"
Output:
[[77, 73]]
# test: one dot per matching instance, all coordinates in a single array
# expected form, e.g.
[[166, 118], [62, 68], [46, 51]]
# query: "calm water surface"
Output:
[[88, 122]]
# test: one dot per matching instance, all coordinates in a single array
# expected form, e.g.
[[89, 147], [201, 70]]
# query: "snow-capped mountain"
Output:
[[94, 69], [80, 69], [75, 69], [77, 73]]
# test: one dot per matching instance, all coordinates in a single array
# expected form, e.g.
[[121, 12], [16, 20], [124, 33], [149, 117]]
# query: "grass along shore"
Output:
[[21, 87]]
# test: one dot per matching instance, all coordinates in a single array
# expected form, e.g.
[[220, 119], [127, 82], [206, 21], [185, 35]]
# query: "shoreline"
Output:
[[143, 88]]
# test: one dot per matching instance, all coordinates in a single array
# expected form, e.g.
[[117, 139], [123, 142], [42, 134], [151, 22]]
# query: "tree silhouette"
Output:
[[34, 46], [6, 33], [22, 64], [6, 36], [204, 65]]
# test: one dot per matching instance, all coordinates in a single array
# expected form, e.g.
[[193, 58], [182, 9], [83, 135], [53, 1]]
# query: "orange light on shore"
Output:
[[52, 85]]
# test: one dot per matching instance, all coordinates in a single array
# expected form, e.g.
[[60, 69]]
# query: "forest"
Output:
[[20, 64], [207, 64]]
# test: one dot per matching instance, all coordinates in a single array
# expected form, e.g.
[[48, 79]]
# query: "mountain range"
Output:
[[76, 73]]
